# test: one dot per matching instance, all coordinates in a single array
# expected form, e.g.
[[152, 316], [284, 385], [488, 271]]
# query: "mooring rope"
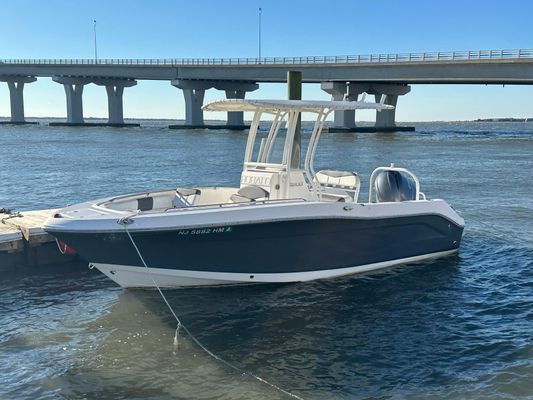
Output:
[[9, 214], [125, 221]]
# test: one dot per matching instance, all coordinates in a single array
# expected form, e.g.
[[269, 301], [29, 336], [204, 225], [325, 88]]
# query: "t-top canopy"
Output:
[[315, 106]]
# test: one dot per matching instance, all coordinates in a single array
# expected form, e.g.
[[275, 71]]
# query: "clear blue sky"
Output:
[[158, 29]]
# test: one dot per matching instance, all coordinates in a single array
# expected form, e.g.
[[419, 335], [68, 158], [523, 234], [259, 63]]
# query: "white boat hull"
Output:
[[141, 277]]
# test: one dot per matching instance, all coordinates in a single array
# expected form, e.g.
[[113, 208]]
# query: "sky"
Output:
[[179, 29]]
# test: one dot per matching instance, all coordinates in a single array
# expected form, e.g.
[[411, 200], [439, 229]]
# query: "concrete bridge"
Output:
[[347, 77]]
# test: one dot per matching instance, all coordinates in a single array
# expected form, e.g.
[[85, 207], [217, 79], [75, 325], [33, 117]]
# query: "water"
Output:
[[460, 327]]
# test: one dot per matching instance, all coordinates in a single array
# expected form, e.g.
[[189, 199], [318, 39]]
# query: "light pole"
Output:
[[95, 46], [260, 14]]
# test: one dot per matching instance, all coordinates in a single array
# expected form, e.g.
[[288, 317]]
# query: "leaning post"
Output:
[[294, 84]]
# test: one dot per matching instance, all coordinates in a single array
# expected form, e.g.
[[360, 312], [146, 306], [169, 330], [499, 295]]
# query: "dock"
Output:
[[23, 242]]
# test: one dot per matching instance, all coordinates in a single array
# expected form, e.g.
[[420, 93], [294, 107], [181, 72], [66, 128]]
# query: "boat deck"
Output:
[[29, 224], [11, 238], [23, 242]]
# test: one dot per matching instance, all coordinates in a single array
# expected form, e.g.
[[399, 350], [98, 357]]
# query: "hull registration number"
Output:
[[205, 231]]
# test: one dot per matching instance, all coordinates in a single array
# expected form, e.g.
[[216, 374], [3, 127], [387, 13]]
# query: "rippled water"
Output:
[[460, 327]]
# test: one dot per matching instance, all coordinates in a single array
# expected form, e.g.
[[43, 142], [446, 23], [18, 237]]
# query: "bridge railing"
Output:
[[468, 55]]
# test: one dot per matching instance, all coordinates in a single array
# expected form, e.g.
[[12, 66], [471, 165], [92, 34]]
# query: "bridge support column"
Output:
[[344, 120], [193, 92], [73, 91], [194, 99], [387, 119], [235, 117], [236, 90], [115, 90], [16, 96]]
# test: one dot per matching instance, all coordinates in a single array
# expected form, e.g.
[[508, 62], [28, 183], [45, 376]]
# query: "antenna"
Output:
[[95, 46], [260, 17]]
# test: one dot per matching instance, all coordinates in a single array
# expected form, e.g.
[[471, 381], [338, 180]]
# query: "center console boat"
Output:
[[284, 222]]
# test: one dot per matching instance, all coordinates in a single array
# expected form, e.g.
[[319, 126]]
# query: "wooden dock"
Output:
[[23, 242]]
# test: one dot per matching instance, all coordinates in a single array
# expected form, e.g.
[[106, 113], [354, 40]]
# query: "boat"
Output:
[[284, 221]]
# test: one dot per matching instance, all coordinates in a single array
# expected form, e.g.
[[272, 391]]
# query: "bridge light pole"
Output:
[[95, 46], [260, 15]]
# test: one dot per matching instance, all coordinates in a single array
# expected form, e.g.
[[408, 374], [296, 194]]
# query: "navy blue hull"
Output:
[[274, 247]]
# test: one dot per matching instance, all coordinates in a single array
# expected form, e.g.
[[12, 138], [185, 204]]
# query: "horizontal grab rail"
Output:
[[244, 204], [466, 55]]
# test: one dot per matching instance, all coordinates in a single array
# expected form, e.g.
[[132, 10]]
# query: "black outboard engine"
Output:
[[393, 186]]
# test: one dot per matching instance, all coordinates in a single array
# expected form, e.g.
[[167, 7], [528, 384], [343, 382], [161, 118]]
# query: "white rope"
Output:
[[125, 221]]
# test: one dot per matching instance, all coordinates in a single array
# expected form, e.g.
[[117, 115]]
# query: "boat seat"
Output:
[[344, 179], [336, 195], [186, 197], [249, 193], [341, 185]]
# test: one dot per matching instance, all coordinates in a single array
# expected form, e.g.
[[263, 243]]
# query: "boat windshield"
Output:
[[268, 146]]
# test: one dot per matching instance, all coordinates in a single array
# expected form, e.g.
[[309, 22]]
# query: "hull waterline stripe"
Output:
[[129, 220], [225, 278]]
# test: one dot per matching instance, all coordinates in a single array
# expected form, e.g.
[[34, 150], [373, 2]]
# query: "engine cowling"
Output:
[[394, 186]]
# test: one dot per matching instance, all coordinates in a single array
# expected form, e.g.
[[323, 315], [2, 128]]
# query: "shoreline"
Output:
[[99, 120]]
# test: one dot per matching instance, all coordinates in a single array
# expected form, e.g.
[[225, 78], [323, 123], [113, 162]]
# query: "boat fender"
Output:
[[64, 248]]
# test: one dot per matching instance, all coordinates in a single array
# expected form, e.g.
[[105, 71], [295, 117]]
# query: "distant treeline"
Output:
[[504, 119]]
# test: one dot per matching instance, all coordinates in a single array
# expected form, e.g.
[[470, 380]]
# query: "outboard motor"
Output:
[[394, 186]]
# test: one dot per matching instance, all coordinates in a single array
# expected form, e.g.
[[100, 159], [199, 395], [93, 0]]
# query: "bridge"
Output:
[[385, 76]]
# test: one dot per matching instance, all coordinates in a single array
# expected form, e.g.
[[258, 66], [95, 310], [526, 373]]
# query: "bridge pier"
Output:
[[342, 119], [16, 96], [73, 90], [115, 90], [236, 90], [193, 93], [386, 120]]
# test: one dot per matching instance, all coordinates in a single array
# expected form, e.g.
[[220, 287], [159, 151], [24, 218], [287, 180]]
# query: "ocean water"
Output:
[[455, 328]]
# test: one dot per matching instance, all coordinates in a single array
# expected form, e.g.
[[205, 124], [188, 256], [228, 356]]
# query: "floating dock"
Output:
[[23, 242]]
